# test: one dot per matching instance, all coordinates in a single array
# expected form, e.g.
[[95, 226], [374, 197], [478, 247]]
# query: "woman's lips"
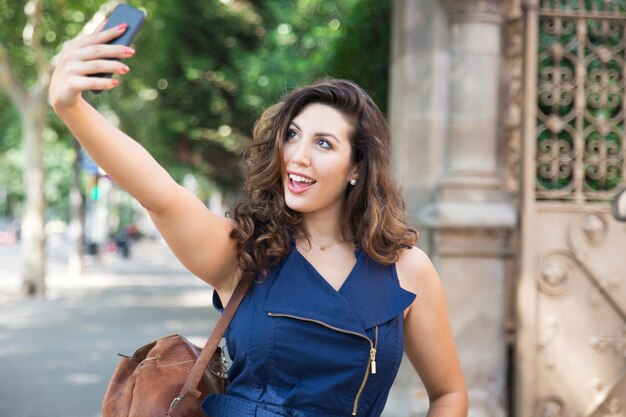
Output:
[[297, 187]]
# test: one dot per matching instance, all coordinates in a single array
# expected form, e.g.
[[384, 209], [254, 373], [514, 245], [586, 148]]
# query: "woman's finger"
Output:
[[98, 51], [102, 66], [100, 26], [80, 83], [103, 36]]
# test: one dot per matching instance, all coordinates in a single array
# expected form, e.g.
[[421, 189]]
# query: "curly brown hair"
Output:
[[374, 208]]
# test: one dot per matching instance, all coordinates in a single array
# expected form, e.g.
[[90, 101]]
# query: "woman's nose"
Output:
[[301, 155]]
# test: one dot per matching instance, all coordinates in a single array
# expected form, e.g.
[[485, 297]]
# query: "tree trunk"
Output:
[[77, 218], [33, 234]]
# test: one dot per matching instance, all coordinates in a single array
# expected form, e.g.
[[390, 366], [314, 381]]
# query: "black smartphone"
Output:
[[134, 19]]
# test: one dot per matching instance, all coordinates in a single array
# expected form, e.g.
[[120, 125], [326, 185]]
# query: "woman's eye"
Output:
[[324, 144], [291, 134]]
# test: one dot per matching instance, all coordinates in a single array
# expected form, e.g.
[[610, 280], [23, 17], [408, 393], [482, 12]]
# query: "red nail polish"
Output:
[[121, 26], [125, 70], [114, 82]]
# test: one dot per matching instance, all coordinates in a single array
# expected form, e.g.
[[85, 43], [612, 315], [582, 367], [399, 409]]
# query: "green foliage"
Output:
[[362, 53], [183, 87], [10, 128], [57, 159], [298, 39], [11, 183]]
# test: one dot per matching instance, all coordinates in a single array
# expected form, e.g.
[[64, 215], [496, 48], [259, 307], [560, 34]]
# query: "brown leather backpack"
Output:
[[170, 376]]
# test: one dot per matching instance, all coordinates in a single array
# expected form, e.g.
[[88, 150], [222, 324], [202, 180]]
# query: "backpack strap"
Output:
[[197, 371]]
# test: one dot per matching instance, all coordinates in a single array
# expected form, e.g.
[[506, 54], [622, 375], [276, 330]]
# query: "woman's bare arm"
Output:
[[428, 338], [199, 238]]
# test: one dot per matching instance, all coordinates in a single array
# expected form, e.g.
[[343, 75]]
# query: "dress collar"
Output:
[[370, 295]]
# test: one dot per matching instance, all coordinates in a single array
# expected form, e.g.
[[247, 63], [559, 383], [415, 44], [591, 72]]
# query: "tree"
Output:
[[31, 103], [369, 24], [25, 71]]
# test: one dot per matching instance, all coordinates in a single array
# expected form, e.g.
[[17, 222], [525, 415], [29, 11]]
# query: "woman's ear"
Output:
[[356, 169]]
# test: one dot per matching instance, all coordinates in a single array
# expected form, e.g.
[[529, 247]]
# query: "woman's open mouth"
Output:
[[298, 184]]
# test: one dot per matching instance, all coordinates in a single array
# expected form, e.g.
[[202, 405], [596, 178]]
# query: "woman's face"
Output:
[[318, 164]]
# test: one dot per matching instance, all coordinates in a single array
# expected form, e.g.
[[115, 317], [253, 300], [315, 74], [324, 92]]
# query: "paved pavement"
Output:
[[57, 353]]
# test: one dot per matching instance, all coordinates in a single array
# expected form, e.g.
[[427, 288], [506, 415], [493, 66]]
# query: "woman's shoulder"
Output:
[[415, 270], [413, 258]]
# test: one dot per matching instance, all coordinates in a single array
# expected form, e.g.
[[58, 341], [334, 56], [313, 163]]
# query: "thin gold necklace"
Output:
[[327, 245]]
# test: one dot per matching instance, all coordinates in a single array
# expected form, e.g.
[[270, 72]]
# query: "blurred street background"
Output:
[[57, 353]]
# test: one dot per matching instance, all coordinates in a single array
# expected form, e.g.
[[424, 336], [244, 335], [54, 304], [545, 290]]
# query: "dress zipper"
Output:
[[371, 361], [371, 366]]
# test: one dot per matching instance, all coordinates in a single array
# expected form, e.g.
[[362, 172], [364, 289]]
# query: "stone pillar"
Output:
[[418, 106], [419, 98], [471, 218], [471, 158]]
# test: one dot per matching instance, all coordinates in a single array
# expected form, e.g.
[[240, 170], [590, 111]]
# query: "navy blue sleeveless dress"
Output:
[[300, 348]]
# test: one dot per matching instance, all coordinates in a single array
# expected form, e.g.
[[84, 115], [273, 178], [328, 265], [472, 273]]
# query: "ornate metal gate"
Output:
[[571, 303]]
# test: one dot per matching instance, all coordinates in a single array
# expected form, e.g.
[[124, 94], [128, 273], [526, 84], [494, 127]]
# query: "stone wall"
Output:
[[445, 118]]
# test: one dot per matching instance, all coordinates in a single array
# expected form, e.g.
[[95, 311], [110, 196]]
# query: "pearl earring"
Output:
[[353, 181]]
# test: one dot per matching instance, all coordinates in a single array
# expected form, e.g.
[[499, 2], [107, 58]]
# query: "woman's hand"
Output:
[[84, 56]]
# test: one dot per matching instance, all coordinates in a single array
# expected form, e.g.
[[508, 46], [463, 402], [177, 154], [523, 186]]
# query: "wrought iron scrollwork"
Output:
[[580, 99]]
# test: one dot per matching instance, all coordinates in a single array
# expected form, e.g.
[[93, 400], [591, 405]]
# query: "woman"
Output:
[[321, 240]]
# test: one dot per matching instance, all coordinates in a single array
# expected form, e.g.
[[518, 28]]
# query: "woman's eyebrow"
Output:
[[325, 134]]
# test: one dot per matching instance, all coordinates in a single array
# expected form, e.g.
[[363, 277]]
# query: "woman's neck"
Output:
[[323, 230]]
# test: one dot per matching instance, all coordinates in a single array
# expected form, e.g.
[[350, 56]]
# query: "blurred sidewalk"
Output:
[[57, 354]]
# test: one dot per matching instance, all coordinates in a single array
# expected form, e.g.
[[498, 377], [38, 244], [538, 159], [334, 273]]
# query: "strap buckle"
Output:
[[174, 403]]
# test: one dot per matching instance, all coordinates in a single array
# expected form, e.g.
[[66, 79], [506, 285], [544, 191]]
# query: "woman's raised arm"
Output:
[[199, 238]]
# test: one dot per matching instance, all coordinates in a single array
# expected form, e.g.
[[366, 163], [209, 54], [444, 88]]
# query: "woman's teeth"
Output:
[[298, 178]]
